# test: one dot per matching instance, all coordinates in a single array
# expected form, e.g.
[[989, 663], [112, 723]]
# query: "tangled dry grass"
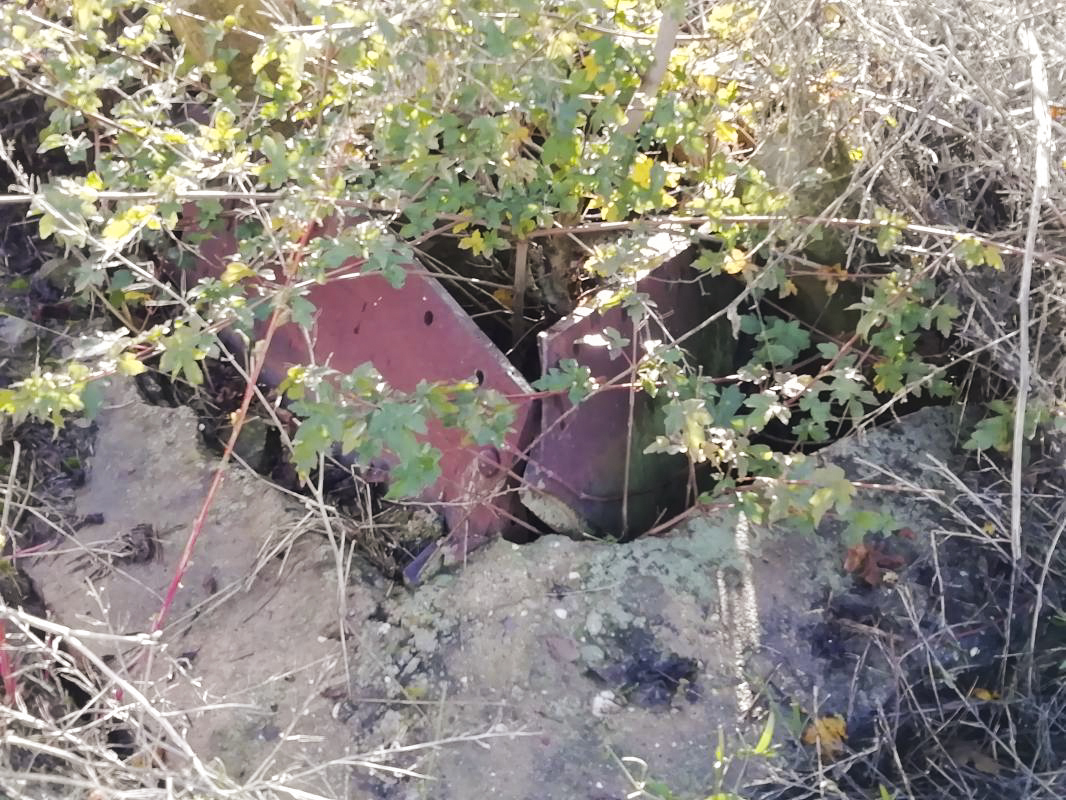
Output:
[[955, 106]]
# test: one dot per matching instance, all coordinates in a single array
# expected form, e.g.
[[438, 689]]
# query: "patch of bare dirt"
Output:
[[521, 674]]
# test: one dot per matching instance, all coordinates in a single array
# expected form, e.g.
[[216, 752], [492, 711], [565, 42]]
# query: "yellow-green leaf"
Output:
[[592, 69], [117, 228], [767, 738], [121, 225], [475, 243], [735, 262], [129, 364], [641, 172], [235, 272], [725, 132], [992, 256], [47, 225]]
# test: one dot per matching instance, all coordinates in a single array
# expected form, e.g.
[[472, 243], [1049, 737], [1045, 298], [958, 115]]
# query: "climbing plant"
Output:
[[492, 123]]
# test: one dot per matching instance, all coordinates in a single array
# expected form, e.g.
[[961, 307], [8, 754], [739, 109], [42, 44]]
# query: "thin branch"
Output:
[[665, 39], [259, 356], [1041, 158]]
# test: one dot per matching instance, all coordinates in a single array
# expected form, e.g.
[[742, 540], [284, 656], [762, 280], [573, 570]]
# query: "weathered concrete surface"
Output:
[[516, 675]]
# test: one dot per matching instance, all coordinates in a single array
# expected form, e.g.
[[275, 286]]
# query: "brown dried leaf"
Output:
[[855, 557], [829, 733]]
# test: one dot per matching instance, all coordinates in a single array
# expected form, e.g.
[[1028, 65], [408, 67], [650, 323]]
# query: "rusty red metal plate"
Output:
[[575, 479], [413, 333]]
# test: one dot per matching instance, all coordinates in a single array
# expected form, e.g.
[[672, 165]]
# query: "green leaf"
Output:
[[277, 169], [47, 225], [354, 436], [834, 489], [765, 406], [970, 251], [889, 230], [992, 433], [313, 439], [414, 473], [302, 311], [886, 240], [992, 257], [183, 350], [561, 149], [576, 380], [92, 398], [766, 740]]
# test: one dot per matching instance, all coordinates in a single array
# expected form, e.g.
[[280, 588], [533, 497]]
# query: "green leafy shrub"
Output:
[[495, 124]]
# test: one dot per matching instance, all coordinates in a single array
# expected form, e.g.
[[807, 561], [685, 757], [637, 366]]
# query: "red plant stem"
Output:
[[259, 354], [7, 672], [220, 472]]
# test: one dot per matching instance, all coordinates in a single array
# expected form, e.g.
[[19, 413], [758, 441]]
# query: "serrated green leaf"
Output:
[[354, 436], [302, 311], [183, 350], [992, 433], [414, 473], [276, 170], [834, 489], [992, 257]]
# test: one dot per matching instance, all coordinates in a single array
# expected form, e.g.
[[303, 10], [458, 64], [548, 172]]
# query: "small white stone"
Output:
[[561, 613], [573, 576], [604, 704]]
